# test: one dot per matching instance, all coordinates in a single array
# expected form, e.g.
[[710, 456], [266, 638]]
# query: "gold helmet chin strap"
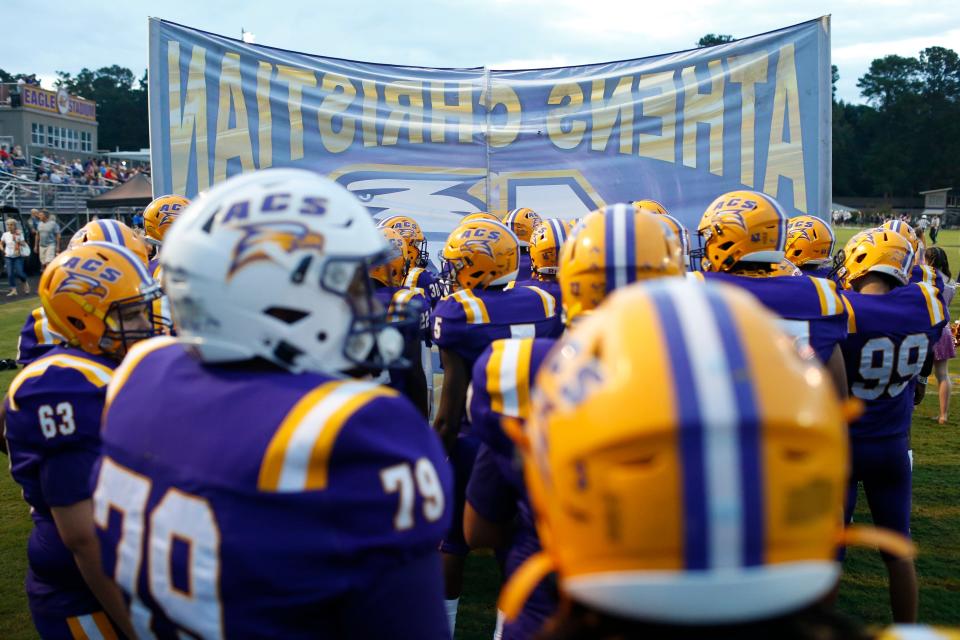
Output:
[[521, 584]]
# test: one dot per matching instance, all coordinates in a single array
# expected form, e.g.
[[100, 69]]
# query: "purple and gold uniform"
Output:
[[812, 310], [525, 267], [36, 337], [161, 306], [926, 273], [502, 382], [422, 278], [259, 503], [53, 410], [402, 301], [465, 323], [550, 286], [890, 340]]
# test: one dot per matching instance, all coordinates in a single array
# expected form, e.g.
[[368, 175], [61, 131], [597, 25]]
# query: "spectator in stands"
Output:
[[15, 250], [137, 220], [4, 153], [18, 158], [944, 349], [47, 243]]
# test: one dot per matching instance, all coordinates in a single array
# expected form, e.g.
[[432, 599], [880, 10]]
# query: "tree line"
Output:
[[903, 140]]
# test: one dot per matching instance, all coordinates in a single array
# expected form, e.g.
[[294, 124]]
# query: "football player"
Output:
[[522, 222], [686, 519], [270, 492], [37, 336], [810, 245], [97, 297], [742, 236], [480, 259], [893, 324], [158, 218], [545, 247], [653, 206], [409, 312], [480, 215], [498, 514], [919, 271], [418, 275]]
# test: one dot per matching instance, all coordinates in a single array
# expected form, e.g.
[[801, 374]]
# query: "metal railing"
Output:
[[67, 202]]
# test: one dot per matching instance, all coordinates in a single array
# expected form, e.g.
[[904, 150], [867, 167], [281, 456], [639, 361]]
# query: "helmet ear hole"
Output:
[[77, 323], [285, 314]]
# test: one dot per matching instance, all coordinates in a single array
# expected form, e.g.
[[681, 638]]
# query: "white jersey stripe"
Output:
[[296, 459]]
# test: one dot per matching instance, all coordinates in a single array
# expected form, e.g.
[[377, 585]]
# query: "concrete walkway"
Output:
[[5, 288]]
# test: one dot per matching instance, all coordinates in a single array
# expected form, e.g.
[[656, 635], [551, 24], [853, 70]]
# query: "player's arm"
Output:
[[837, 368], [417, 383], [920, 389], [76, 528], [453, 397], [482, 533]]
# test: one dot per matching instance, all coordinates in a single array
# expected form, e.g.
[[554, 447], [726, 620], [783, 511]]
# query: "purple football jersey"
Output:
[[399, 300], [246, 501], [889, 341], [550, 286], [502, 382], [926, 273], [36, 337], [467, 321], [811, 309], [53, 410], [525, 266], [421, 278]]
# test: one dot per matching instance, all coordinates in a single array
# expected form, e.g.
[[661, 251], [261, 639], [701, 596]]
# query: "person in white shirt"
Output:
[[15, 250]]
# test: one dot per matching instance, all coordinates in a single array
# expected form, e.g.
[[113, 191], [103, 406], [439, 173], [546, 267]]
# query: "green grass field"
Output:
[[936, 520]]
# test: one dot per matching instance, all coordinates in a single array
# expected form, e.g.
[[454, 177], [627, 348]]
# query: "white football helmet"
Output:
[[273, 264]]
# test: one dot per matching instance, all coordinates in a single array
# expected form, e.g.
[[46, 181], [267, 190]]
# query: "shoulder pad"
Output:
[[507, 374], [472, 307], [831, 301], [40, 325], [96, 373], [413, 277], [934, 306], [134, 357], [549, 302], [298, 456]]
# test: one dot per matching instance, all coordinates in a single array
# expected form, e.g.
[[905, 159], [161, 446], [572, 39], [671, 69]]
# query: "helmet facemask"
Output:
[[372, 342], [130, 320]]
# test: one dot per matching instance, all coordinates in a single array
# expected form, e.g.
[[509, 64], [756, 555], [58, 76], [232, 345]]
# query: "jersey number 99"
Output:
[[881, 361]]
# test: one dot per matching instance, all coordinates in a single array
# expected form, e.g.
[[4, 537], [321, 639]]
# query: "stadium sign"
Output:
[[59, 102], [439, 143]]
